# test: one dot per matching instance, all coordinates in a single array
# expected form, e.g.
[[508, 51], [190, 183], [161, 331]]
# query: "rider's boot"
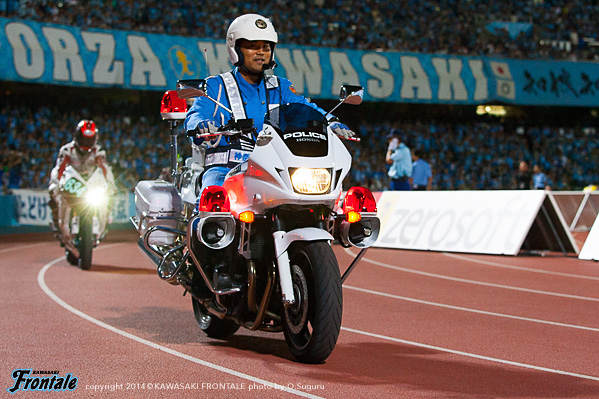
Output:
[[54, 222]]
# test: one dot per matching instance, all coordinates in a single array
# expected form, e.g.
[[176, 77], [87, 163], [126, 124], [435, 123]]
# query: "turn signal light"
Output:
[[247, 217], [353, 217], [214, 199]]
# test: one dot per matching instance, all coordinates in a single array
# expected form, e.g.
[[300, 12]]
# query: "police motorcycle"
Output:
[[256, 252], [83, 213]]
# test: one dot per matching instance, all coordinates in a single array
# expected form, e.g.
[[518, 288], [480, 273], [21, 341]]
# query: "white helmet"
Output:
[[250, 27]]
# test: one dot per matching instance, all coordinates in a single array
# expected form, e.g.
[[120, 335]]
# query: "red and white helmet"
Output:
[[85, 134], [250, 27]]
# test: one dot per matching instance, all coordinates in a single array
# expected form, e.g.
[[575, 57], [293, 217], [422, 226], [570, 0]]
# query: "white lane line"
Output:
[[442, 305], [42, 283], [21, 247], [472, 355], [462, 280], [527, 269]]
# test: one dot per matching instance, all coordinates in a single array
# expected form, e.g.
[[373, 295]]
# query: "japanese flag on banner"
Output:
[[501, 70], [505, 82]]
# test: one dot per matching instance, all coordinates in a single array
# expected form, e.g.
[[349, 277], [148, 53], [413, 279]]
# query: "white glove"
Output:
[[393, 144], [205, 127], [264, 137], [341, 130]]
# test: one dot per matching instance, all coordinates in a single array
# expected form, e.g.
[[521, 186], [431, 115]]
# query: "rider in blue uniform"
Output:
[[248, 92]]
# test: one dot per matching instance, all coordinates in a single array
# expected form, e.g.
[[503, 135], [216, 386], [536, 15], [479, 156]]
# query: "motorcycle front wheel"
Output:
[[212, 325], [86, 242], [312, 324]]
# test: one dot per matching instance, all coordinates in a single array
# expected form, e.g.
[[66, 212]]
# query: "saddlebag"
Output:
[[157, 203]]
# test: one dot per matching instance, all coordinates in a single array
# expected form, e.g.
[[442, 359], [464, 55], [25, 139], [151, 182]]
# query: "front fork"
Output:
[[284, 268], [282, 242]]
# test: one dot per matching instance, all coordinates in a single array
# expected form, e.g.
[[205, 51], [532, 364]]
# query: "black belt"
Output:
[[403, 178]]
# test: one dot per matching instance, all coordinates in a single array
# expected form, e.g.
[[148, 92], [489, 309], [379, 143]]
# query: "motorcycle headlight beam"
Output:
[[96, 196], [311, 180]]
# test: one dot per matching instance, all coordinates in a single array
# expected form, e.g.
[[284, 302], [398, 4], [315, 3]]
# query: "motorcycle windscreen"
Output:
[[302, 128]]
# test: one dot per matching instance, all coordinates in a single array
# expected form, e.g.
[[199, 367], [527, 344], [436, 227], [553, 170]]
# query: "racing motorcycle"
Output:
[[82, 213], [257, 252]]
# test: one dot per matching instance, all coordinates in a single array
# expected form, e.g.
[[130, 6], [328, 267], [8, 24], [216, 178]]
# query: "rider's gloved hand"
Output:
[[393, 144], [264, 137], [341, 129], [205, 127]]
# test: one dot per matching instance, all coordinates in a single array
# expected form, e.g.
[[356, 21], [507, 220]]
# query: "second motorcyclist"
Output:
[[248, 92], [82, 153]]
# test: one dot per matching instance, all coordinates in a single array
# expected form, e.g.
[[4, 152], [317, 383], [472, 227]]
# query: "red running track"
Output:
[[415, 325]]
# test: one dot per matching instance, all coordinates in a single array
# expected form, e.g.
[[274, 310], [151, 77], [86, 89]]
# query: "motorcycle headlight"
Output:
[[310, 181], [96, 196]]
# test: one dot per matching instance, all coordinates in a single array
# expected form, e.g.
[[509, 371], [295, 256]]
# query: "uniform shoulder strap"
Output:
[[234, 95], [272, 81]]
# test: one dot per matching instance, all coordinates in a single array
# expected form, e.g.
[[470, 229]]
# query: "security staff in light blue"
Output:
[[248, 92], [400, 158]]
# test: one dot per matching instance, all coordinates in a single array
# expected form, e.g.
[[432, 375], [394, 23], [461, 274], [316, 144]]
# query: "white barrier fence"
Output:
[[580, 208], [486, 222], [33, 209], [590, 249]]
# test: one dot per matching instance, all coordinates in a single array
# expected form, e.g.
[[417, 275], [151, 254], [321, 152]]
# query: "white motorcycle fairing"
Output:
[[264, 181], [82, 213]]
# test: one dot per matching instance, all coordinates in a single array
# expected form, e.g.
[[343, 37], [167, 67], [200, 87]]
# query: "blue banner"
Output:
[[62, 55]]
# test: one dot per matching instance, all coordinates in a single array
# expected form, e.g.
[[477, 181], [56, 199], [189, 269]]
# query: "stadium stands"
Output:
[[532, 29], [475, 155]]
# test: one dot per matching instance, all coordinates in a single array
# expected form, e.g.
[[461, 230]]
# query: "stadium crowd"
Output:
[[532, 29], [482, 155], [475, 155]]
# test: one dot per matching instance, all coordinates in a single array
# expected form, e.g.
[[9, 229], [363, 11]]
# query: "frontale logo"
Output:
[[182, 62], [29, 380]]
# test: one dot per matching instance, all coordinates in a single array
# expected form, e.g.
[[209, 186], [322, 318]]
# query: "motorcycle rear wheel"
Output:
[[212, 326], [86, 242], [312, 324]]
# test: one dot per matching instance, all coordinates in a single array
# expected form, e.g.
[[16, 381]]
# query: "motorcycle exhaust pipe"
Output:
[[216, 232], [360, 234]]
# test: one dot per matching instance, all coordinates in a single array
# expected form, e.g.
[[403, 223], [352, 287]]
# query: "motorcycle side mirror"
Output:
[[351, 94], [189, 88]]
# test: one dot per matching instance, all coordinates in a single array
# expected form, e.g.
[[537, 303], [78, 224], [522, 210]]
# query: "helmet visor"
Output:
[[86, 142]]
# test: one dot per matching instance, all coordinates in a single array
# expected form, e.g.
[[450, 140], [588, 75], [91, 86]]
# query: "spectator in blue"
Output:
[[422, 173], [400, 159], [540, 181]]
